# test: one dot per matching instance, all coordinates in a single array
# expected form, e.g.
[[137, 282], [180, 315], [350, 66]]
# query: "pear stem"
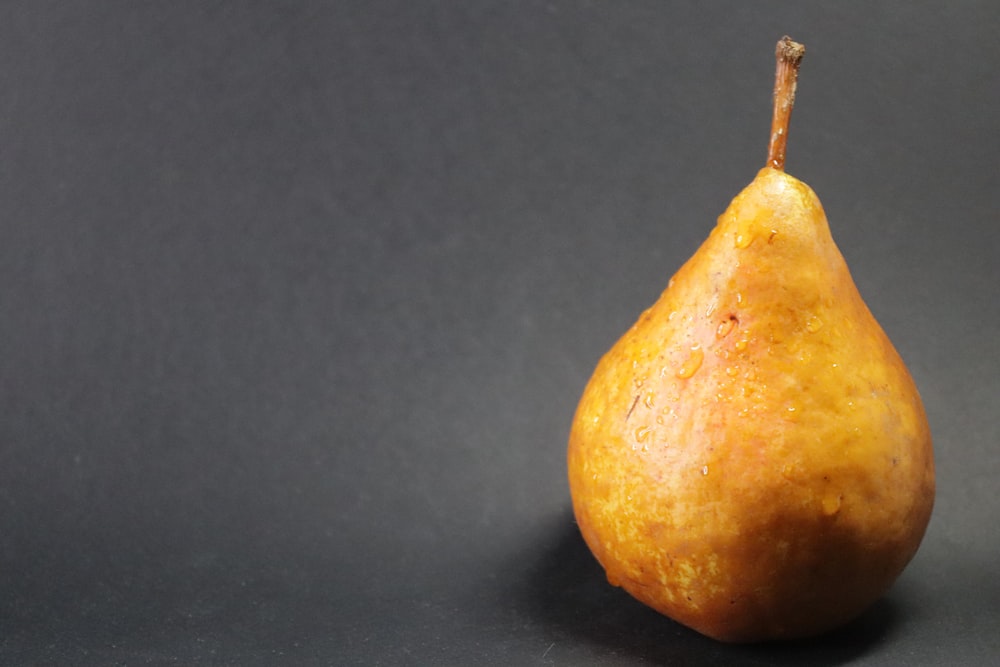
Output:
[[788, 55]]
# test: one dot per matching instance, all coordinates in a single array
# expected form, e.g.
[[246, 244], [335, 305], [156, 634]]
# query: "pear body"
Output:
[[752, 458]]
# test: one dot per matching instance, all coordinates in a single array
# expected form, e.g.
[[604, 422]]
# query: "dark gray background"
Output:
[[298, 299]]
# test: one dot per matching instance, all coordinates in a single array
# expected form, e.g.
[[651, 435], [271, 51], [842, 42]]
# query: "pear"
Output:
[[752, 458]]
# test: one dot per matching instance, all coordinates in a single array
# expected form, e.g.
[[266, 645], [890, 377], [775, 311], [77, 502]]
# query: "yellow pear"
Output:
[[752, 458]]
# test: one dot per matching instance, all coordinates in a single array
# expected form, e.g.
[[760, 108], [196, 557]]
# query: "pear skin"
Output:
[[752, 458]]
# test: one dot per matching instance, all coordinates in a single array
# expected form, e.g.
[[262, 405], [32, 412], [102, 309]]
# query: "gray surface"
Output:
[[298, 300]]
